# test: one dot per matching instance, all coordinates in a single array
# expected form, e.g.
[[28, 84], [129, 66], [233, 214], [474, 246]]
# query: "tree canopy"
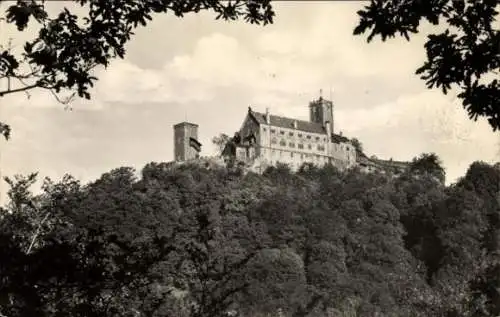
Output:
[[220, 142], [195, 241], [357, 145], [466, 55], [430, 164], [68, 47]]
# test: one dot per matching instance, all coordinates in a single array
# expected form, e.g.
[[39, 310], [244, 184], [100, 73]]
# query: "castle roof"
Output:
[[302, 125], [337, 138], [185, 123], [362, 159], [283, 122], [392, 163]]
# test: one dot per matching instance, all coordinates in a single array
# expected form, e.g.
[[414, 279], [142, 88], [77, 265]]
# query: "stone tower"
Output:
[[186, 145], [321, 111]]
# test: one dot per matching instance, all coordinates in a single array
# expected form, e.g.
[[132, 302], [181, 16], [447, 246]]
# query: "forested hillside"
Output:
[[196, 242]]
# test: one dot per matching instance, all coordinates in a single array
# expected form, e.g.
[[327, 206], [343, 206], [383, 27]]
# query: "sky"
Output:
[[209, 72]]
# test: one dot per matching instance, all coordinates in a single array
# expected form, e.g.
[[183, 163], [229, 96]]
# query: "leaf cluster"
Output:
[[465, 55], [197, 242], [68, 47]]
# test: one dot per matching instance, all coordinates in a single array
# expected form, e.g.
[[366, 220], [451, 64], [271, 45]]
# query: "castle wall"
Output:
[[241, 153], [248, 127], [296, 147], [292, 146], [287, 144], [342, 152]]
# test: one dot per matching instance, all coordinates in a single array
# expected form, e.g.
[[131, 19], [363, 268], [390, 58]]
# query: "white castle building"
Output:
[[270, 139], [265, 139]]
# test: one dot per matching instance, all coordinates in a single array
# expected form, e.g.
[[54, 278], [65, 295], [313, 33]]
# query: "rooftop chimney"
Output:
[[268, 116]]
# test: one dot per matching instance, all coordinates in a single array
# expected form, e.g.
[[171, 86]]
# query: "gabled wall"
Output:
[[248, 127]]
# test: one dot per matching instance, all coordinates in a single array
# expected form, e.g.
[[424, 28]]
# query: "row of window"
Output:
[[300, 146], [304, 157], [291, 154], [300, 135]]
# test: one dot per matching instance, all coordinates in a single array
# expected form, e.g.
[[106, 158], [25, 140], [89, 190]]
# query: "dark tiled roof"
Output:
[[339, 138], [360, 154], [282, 122], [391, 163], [185, 123], [362, 159], [302, 125]]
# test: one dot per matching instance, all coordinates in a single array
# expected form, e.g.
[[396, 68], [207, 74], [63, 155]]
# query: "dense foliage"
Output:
[[207, 242], [68, 47], [61, 59], [465, 55]]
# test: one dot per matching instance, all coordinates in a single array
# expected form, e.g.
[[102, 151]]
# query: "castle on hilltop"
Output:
[[265, 140], [271, 139]]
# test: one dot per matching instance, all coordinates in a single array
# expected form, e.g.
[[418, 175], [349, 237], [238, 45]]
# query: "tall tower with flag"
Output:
[[186, 144]]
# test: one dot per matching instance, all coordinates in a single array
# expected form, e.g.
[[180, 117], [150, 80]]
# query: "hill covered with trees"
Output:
[[191, 241]]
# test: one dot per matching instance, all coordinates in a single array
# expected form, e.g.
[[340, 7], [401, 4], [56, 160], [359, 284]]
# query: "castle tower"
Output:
[[186, 145], [321, 111]]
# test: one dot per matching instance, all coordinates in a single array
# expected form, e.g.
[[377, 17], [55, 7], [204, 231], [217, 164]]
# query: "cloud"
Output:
[[423, 122], [219, 60], [320, 52], [329, 41], [128, 83], [43, 99], [278, 43], [314, 56], [209, 72]]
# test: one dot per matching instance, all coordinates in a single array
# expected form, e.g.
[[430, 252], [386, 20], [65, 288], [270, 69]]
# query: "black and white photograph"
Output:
[[249, 158]]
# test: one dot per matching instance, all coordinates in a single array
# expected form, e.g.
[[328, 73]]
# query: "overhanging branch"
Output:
[[11, 91]]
